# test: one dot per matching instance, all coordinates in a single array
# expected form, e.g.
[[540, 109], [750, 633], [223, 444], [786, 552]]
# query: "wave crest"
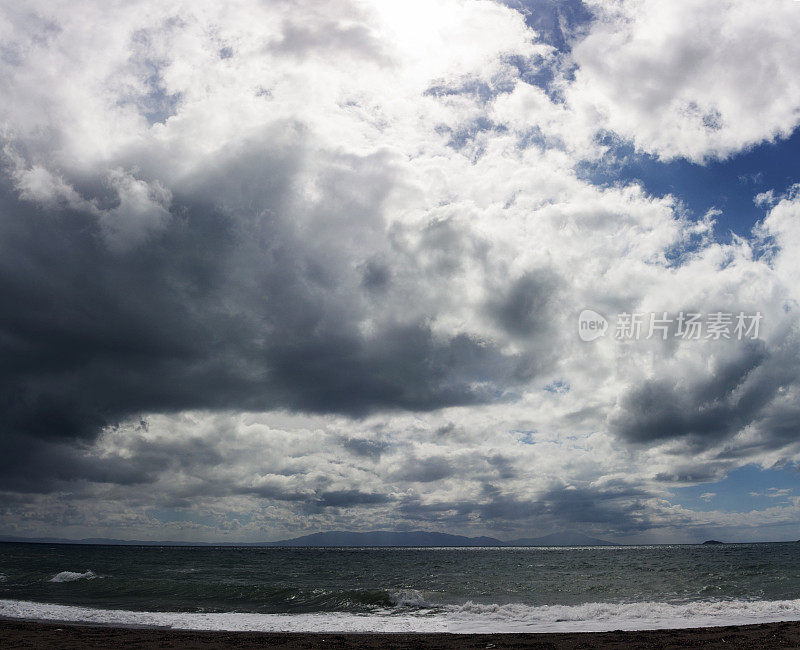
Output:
[[72, 576], [409, 599]]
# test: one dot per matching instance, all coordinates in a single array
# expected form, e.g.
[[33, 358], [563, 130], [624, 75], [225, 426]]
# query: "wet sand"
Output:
[[25, 634]]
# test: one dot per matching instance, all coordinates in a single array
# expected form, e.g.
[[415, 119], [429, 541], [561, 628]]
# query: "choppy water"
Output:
[[456, 589]]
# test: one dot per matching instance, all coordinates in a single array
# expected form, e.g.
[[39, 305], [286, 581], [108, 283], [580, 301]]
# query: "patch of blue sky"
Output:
[[557, 23], [742, 490], [726, 185], [729, 186], [525, 436], [558, 387]]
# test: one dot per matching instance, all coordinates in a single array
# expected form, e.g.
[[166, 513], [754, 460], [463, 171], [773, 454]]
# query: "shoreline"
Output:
[[39, 634]]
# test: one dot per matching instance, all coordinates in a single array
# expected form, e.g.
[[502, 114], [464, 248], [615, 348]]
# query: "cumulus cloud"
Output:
[[690, 79], [288, 268]]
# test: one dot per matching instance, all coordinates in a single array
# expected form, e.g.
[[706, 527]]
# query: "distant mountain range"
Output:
[[344, 538], [387, 538]]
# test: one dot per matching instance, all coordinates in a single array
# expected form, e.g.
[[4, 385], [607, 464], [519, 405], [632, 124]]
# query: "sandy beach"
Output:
[[28, 634]]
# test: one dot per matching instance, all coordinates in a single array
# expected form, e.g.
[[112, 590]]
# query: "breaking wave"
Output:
[[410, 612], [72, 576]]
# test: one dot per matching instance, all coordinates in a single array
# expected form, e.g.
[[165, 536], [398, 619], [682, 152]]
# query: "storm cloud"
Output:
[[217, 310]]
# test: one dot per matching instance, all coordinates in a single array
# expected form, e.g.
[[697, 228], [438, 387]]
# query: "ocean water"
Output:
[[403, 589]]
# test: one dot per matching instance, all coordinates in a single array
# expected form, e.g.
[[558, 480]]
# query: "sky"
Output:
[[274, 268]]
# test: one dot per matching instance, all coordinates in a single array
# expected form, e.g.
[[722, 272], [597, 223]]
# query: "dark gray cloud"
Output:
[[34, 465], [702, 410], [693, 473], [365, 447], [376, 276], [347, 498], [426, 470], [311, 501], [619, 507], [503, 465], [223, 308], [527, 308]]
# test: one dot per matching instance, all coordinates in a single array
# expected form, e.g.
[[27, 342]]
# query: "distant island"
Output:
[[712, 541], [346, 538], [424, 538]]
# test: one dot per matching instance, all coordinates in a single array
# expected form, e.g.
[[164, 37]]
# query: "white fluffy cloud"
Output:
[[691, 79]]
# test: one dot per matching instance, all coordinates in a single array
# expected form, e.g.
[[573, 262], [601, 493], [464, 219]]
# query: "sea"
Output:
[[461, 590]]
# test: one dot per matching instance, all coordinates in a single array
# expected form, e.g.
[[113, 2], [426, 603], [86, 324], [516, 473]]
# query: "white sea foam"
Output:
[[466, 618], [410, 598], [71, 576]]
